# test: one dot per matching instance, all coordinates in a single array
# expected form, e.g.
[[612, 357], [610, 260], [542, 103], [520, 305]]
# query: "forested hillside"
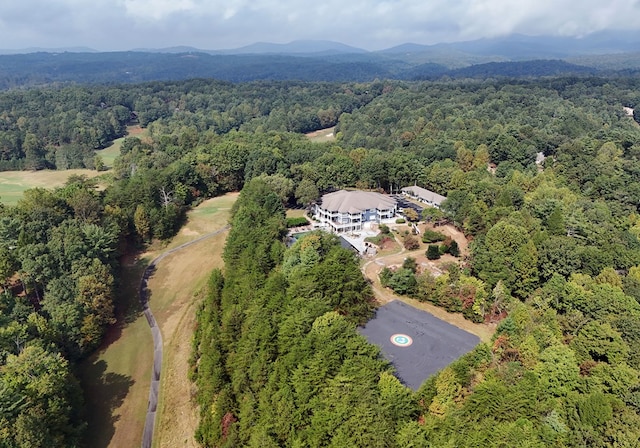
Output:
[[278, 360], [555, 247], [61, 127], [410, 62], [57, 269]]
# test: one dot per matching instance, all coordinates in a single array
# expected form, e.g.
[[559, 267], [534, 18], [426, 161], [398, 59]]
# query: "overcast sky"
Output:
[[371, 24]]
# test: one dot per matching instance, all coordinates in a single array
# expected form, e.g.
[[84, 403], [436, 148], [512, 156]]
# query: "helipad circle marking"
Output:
[[401, 340]]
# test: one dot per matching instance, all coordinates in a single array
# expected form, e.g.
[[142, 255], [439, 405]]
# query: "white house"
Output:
[[424, 195], [347, 211]]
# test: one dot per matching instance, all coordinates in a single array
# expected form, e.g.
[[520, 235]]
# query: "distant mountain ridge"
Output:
[[511, 47], [49, 50], [513, 56], [523, 47], [296, 47]]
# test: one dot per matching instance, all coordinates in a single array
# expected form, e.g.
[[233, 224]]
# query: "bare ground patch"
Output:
[[372, 268]]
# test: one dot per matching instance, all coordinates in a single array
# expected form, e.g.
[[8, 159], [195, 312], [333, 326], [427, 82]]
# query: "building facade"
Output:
[[348, 211]]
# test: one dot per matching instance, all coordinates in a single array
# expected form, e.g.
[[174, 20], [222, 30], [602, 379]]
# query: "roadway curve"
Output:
[[154, 390]]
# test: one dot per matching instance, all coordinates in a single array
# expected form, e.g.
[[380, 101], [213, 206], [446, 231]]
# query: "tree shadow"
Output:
[[127, 306], [104, 392]]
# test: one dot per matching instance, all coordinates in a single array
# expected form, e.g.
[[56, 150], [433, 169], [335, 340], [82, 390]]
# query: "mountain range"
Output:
[[510, 56], [510, 47]]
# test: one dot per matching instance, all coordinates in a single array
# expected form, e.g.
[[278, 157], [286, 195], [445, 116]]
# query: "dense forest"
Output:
[[58, 272], [555, 249], [61, 127], [41, 69], [555, 246]]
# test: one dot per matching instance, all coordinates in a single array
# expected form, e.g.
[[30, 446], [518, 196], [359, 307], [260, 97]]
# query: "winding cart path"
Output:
[[147, 436]]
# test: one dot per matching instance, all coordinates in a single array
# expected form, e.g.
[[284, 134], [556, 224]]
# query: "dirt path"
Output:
[[371, 269]]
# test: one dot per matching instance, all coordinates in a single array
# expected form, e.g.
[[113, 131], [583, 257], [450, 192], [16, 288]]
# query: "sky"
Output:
[[109, 25]]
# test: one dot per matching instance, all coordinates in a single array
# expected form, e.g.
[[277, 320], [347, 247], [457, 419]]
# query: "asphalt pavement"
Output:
[[433, 343]]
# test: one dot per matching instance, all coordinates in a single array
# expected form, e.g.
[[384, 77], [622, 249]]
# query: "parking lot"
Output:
[[403, 203], [417, 343]]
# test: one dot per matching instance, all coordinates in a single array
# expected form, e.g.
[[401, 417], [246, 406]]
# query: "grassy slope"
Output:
[[176, 290], [117, 377], [110, 153], [14, 183], [322, 135]]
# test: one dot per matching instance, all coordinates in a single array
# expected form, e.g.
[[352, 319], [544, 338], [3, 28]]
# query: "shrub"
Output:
[[297, 222], [378, 240], [385, 276], [431, 236], [454, 249], [433, 252], [400, 221], [411, 214], [384, 229], [411, 242], [410, 264]]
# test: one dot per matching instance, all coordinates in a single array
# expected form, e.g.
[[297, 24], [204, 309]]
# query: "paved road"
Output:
[[147, 436]]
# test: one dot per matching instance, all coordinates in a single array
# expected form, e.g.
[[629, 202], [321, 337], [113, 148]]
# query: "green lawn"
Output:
[[110, 153], [295, 212], [323, 135], [14, 183]]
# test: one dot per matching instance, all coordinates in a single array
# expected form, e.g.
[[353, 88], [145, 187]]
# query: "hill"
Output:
[[514, 55]]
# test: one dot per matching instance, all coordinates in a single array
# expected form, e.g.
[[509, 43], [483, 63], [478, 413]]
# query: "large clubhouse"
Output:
[[348, 211]]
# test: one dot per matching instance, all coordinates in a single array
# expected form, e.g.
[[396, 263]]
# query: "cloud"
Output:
[[123, 24], [153, 10]]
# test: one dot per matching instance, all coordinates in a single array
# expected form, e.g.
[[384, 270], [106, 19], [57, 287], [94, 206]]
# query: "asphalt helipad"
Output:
[[417, 343]]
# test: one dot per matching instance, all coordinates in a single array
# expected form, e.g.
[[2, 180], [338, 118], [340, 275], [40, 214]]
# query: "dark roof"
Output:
[[347, 245]]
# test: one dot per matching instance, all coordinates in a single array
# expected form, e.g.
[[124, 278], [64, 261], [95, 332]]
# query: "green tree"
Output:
[[141, 222], [433, 252], [306, 192], [49, 397], [558, 370]]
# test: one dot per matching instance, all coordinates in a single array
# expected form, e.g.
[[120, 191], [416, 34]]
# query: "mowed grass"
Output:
[[117, 378], [177, 287], [110, 153], [13, 184], [295, 212], [322, 135]]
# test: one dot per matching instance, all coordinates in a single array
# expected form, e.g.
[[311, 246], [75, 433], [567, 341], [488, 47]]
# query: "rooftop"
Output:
[[425, 194], [344, 201]]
